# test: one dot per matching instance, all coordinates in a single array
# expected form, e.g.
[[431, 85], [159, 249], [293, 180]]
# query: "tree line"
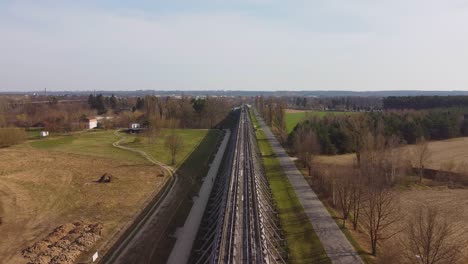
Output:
[[272, 109], [49, 113], [339, 103], [337, 133], [424, 102]]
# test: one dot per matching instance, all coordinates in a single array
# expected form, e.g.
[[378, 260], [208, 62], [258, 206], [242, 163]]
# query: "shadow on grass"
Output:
[[190, 174]]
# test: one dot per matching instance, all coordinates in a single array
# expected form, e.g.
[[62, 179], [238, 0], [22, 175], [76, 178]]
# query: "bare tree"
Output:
[[344, 190], [422, 155], [357, 192], [173, 143], [380, 212], [431, 239], [153, 116], [306, 146], [392, 158], [357, 128]]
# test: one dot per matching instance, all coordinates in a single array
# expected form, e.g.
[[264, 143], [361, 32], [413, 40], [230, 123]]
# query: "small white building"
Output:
[[92, 123], [44, 134], [135, 125]]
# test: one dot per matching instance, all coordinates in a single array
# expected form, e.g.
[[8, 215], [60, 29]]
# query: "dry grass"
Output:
[[451, 202], [446, 154], [296, 111], [40, 190], [442, 152]]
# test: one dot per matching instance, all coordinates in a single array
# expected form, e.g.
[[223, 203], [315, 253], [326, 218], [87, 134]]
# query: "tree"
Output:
[[357, 192], [422, 154], [357, 129], [113, 102], [345, 196], [173, 143], [140, 103], [199, 106], [431, 239], [152, 118], [392, 160], [306, 146], [53, 101], [97, 102], [380, 211]]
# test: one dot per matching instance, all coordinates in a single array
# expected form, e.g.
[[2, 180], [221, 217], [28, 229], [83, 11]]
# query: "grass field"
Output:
[[293, 117], [40, 190], [190, 137], [93, 143], [453, 152], [49, 182], [303, 244]]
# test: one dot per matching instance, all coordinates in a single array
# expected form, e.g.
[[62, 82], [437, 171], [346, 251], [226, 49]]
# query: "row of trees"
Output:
[[424, 102], [340, 134], [58, 116], [184, 112], [353, 103], [273, 112]]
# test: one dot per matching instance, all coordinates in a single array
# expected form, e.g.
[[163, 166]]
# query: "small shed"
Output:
[[91, 123], [44, 134], [135, 125]]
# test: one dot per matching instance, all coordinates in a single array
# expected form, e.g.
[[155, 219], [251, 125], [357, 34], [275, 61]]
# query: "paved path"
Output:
[[183, 247], [337, 246]]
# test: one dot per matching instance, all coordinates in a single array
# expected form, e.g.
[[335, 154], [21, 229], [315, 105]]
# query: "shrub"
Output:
[[11, 136]]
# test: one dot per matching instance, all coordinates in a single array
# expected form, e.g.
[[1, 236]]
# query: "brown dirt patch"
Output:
[[40, 190]]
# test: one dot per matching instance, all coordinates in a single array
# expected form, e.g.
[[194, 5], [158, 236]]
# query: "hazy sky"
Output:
[[234, 44]]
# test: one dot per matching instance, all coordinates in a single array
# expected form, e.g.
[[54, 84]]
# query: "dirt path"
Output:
[[338, 248], [127, 248]]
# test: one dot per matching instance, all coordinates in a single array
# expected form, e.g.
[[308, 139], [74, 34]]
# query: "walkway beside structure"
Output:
[[337, 246]]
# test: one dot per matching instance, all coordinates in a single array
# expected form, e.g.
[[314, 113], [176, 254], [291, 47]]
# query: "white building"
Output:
[[92, 123], [44, 133], [135, 125]]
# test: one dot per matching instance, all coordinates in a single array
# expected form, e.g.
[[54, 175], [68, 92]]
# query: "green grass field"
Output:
[[93, 143], [293, 118], [303, 244], [191, 138], [99, 143]]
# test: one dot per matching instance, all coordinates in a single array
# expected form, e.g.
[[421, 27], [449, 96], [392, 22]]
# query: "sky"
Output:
[[359, 45]]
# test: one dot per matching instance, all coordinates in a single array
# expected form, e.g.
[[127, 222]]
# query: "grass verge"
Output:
[[303, 244]]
